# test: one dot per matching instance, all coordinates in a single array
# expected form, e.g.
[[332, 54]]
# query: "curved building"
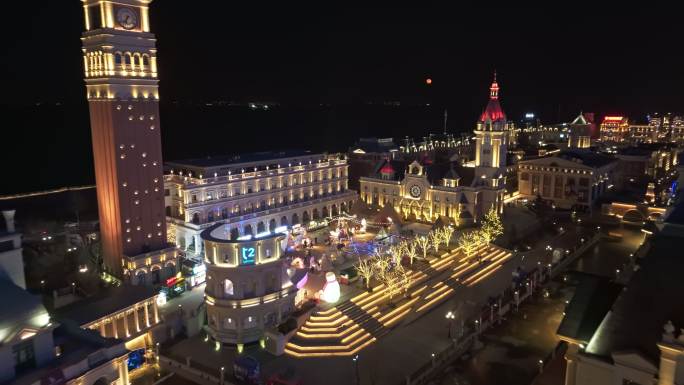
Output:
[[248, 288]]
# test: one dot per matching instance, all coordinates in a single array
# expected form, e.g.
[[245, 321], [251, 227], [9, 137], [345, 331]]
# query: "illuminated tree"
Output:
[[382, 263], [411, 249], [491, 225], [405, 280], [366, 269], [469, 242], [435, 238], [447, 232], [395, 281], [424, 244], [457, 215]]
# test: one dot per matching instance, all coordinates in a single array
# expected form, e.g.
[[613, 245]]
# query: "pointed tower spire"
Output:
[[494, 89]]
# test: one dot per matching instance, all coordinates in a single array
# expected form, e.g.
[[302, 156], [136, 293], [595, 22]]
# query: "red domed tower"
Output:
[[491, 140]]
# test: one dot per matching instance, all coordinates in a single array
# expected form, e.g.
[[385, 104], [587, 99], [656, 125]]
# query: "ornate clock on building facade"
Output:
[[126, 18], [415, 191]]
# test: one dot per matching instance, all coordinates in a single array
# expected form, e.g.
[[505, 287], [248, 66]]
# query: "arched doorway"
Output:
[[315, 214], [140, 277], [169, 270], [295, 219], [101, 381], [272, 225], [196, 218], [305, 217], [155, 273], [325, 212], [283, 221], [248, 230], [234, 233], [261, 227], [343, 207]]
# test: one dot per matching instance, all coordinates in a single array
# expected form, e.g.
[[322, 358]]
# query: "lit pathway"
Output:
[[355, 324]]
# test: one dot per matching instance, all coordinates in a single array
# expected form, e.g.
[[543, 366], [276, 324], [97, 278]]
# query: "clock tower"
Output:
[[120, 62]]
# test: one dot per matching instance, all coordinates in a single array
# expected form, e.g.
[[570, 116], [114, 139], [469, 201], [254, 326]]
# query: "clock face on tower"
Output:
[[126, 18], [415, 191]]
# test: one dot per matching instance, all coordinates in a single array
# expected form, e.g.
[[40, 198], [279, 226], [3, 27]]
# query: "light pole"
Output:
[[356, 368], [450, 316], [222, 374]]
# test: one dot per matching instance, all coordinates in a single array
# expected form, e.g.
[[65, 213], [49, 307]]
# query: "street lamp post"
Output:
[[356, 369], [222, 374], [450, 316]]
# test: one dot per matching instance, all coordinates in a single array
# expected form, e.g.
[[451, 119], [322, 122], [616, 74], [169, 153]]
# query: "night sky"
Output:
[[330, 69]]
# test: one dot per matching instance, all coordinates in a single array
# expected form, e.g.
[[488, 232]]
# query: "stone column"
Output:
[[125, 321], [670, 356], [116, 331], [198, 244], [571, 364], [102, 329], [156, 312], [147, 315], [137, 318], [123, 371]]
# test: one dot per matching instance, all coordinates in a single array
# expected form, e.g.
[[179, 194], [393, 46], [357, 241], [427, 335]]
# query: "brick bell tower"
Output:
[[120, 60]]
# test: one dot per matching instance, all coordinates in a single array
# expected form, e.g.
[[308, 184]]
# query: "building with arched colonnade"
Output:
[[253, 193]]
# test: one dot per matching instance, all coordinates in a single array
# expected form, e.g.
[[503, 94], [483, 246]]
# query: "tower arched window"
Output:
[[137, 62], [145, 60], [127, 60], [117, 59]]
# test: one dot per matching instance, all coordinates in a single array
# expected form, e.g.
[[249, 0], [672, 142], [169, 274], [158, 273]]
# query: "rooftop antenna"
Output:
[[445, 121]]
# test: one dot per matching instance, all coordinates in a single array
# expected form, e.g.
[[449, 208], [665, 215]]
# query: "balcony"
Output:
[[250, 302]]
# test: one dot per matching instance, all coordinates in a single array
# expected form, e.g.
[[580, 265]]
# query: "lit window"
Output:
[[228, 287], [118, 107], [158, 224], [151, 117], [152, 127], [154, 163], [130, 107], [130, 117], [121, 146], [159, 233], [149, 235], [124, 184], [132, 145], [144, 164], [156, 180], [135, 192], [138, 228], [144, 155], [142, 117], [128, 240], [128, 230], [128, 220], [137, 202], [123, 156]]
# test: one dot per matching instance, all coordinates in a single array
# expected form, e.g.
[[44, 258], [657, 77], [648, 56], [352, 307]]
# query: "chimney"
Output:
[[9, 219]]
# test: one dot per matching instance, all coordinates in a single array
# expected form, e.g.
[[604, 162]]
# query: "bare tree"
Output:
[[411, 250], [424, 244], [435, 237], [447, 232], [366, 269]]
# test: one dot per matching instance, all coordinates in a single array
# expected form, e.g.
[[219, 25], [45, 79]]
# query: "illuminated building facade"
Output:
[[120, 60], [579, 133], [569, 179], [11, 258], [248, 288], [423, 191], [667, 127], [253, 193], [615, 129]]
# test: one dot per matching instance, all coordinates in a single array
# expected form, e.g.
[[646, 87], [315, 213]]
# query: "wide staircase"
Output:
[[354, 324]]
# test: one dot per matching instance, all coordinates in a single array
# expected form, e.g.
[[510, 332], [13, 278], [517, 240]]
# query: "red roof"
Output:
[[387, 169], [493, 111]]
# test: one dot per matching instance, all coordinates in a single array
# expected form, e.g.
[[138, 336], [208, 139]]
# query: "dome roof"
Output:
[[493, 111], [387, 169]]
